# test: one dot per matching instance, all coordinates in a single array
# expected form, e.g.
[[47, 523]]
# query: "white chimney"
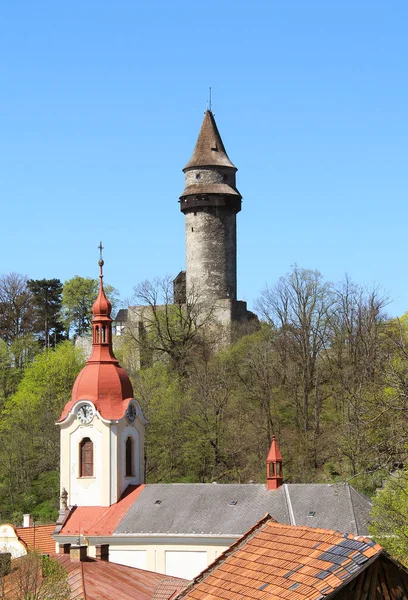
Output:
[[27, 520]]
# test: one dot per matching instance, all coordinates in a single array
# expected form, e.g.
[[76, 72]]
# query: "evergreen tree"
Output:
[[46, 297]]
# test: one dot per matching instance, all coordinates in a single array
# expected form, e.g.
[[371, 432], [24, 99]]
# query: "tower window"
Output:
[[129, 451], [198, 176], [86, 458], [192, 229]]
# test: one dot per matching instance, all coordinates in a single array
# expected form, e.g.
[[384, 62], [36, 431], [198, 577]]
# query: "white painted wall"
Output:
[[109, 480], [128, 557], [186, 564], [180, 557]]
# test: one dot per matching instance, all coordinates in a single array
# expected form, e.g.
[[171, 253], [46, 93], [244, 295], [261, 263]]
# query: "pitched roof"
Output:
[[222, 509], [209, 149], [94, 579], [121, 316], [38, 537], [100, 520], [273, 561]]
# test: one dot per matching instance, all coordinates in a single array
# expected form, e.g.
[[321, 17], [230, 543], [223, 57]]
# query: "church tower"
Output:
[[102, 426], [210, 203]]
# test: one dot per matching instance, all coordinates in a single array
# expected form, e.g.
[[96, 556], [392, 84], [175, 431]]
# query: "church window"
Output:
[[86, 457], [96, 340], [129, 450], [103, 334]]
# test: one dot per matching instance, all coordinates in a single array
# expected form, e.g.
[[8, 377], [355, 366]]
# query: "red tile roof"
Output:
[[94, 579], [99, 520], [273, 561], [37, 538]]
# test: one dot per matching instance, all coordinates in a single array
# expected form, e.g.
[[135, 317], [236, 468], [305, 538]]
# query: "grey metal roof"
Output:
[[334, 506], [231, 509]]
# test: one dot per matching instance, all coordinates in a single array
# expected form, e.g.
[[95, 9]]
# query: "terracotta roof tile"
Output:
[[274, 561], [98, 520], [38, 537]]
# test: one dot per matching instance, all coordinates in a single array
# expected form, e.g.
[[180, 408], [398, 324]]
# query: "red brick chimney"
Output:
[[274, 477]]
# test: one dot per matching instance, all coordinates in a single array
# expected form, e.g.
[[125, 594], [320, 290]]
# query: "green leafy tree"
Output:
[[389, 525], [29, 450], [46, 298], [78, 295]]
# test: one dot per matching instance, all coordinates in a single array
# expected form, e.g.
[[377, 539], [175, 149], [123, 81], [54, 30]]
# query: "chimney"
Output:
[[27, 520], [102, 551], [5, 563], [64, 548], [274, 478], [78, 553]]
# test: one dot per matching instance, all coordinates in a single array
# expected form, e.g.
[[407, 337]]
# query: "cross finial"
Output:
[[100, 263], [209, 100]]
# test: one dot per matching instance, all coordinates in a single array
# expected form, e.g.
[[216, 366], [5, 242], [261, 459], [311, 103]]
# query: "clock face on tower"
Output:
[[131, 413], [85, 414]]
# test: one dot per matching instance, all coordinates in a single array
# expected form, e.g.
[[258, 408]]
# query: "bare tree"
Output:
[[298, 308], [162, 324], [36, 577], [16, 310]]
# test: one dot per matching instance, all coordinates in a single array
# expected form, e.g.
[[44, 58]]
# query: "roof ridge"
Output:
[[236, 545], [81, 566], [319, 529], [352, 509]]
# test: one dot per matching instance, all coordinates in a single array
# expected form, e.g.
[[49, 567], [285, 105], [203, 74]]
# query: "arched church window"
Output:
[[86, 457], [103, 334], [129, 451], [96, 340]]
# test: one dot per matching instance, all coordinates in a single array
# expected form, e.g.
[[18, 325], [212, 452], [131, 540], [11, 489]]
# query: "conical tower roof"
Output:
[[274, 452], [209, 149]]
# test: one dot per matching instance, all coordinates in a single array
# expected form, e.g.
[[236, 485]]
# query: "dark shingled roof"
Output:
[[209, 149], [210, 188], [121, 316], [231, 509]]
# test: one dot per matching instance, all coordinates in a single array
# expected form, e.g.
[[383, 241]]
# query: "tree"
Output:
[[298, 307], [389, 525], [16, 307], [46, 298], [78, 295], [36, 577], [164, 326], [29, 447]]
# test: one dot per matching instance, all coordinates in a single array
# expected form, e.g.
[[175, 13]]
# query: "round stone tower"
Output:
[[210, 203]]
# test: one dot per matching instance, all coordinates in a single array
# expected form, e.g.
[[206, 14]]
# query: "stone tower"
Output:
[[210, 202]]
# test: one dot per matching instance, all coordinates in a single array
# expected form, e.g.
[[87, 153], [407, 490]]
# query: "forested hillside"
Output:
[[326, 372]]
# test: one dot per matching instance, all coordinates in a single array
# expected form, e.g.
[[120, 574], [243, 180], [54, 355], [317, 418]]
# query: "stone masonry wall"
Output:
[[211, 255]]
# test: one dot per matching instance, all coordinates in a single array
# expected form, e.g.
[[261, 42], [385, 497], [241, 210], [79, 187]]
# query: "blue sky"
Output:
[[101, 104]]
